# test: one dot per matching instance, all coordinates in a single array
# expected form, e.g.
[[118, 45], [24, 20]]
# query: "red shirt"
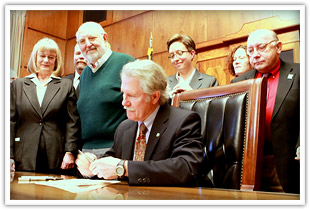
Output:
[[272, 87]]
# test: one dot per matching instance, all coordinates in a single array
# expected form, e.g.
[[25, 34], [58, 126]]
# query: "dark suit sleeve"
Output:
[[73, 132], [13, 117], [181, 167]]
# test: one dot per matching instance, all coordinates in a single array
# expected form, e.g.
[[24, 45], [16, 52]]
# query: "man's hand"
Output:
[[180, 87], [83, 163], [105, 167], [12, 165], [68, 161]]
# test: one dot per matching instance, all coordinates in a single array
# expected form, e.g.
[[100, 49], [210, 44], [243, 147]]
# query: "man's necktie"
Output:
[[141, 143]]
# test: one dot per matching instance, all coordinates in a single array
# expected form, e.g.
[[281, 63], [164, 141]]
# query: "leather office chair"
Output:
[[233, 120]]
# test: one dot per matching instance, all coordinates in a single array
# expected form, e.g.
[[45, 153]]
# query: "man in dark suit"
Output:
[[79, 64], [170, 150], [181, 54], [281, 172]]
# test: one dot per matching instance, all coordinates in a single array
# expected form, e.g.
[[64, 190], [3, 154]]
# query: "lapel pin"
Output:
[[157, 135], [290, 76]]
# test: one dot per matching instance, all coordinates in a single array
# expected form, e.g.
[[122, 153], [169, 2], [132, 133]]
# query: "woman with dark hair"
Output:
[[238, 61]]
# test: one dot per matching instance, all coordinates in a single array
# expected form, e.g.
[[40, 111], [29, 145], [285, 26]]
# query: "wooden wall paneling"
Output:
[[216, 67], [75, 19], [272, 23], [220, 23], [31, 37], [132, 35], [168, 23], [119, 15], [286, 14], [162, 60], [68, 64], [52, 22], [290, 41]]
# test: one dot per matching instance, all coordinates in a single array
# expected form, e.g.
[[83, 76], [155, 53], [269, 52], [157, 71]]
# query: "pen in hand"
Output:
[[87, 157]]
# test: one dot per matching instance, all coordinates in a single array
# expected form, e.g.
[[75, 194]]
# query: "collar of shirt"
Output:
[[33, 77], [101, 61], [76, 75], [180, 79], [148, 122], [40, 88], [76, 79]]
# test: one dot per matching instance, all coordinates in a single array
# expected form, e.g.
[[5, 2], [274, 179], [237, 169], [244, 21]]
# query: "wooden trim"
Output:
[[241, 36]]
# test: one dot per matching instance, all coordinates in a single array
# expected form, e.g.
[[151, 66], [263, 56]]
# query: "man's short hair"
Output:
[[93, 25], [152, 77]]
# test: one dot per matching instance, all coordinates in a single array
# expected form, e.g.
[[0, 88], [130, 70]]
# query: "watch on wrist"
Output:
[[120, 170]]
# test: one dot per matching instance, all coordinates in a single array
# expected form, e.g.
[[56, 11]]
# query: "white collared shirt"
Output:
[[101, 61], [76, 80], [40, 88], [148, 122], [181, 80]]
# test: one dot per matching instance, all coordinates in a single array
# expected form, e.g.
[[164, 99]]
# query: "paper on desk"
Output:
[[78, 185]]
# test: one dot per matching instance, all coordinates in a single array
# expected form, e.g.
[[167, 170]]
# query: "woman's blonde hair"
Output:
[[42, 45]]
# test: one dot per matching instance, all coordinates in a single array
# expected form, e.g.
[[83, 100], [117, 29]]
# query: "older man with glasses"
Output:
[[100, 98], [281, 171]]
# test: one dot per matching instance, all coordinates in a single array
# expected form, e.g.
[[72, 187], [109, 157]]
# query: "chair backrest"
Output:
[[233, 120]]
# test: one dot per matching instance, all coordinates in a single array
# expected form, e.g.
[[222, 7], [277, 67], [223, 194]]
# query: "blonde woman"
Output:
[[44, 119]]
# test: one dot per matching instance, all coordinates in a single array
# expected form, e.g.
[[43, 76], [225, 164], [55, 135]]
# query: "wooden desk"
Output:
[[124, 192]]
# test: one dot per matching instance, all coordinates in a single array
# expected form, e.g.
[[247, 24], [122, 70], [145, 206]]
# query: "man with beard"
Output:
[[100, 99], [79, 64]]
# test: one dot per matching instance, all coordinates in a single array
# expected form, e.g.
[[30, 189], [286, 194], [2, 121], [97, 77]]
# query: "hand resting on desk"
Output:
[[105, 167]]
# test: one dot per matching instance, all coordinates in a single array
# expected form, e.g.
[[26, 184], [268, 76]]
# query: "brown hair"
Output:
[[231, 59], [186, 40]]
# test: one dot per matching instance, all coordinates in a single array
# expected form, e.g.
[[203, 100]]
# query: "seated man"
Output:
[[157, 144]]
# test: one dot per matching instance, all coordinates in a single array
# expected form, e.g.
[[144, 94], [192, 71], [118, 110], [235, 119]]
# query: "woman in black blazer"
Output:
[[44, 122]]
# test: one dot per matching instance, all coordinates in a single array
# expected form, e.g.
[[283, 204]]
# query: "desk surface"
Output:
[[121, 190]]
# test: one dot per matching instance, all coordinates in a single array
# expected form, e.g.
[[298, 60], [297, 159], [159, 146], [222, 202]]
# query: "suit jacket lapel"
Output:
[[158, 128], [50, 93], [250, 75], [196, 81], [284, 85], [30, 91], [172, 81], [128, 144]]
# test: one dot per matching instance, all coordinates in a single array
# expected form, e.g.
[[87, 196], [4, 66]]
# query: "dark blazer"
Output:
[[56, 122], [174, 150], [71, 77], [198, 81], [285, 124]]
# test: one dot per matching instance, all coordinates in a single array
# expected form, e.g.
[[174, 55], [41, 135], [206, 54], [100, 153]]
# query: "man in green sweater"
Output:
[[100, 99]]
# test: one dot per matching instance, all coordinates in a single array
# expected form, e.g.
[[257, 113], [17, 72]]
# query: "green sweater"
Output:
[[100, 102]]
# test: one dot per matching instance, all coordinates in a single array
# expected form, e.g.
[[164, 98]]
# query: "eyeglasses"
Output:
[[177, 53], [82, 41], [260, 48], [49, 57]]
